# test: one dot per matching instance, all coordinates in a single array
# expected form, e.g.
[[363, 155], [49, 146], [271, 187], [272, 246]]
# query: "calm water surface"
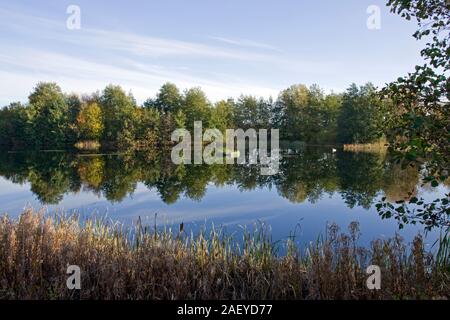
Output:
[[314, 187]]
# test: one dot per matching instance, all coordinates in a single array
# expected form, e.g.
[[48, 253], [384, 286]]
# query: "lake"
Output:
[[314, 187]]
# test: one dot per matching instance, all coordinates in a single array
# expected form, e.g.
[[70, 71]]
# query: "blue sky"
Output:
[[227, 47]]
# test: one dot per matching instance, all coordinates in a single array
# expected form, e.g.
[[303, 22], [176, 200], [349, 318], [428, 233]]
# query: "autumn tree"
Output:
[[90, 122]]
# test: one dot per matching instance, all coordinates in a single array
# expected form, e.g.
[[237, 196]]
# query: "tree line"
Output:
[[113, 119]]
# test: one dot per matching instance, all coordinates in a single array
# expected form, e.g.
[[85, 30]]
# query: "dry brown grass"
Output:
[[140, 264]]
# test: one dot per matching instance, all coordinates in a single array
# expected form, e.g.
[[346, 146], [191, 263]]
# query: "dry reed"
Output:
[[140, 263], [376, 147]]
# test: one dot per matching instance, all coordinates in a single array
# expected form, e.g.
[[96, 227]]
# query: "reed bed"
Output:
[[375, 147], [144, 263]]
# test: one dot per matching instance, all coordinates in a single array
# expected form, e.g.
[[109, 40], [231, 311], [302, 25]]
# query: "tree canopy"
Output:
[[114, 119]]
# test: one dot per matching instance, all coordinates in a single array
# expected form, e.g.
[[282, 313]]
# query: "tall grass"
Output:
[[144, 263], [443, 253]]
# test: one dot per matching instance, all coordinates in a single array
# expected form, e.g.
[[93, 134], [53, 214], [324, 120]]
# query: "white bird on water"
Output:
[[333, 150]]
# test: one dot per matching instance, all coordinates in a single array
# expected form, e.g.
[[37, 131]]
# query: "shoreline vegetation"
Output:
[[116, 262], [144, 263], [113, 120], [380, 146]]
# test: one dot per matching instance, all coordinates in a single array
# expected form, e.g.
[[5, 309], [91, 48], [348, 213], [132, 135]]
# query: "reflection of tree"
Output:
[[48, 190], [221, 174], [13, 167], [400, 184], [90, 170], [360, 176], [169, 185], [247, 176], [50, 176], [306, 176], [196, 180], [121, 175]]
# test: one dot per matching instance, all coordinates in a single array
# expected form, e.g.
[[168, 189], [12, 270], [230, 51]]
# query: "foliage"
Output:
[[196, 107], [147, 263], [421, 99], [114, 120], [89, 122], [360, 119], [119, 115], [47, 115], [222, 115], [168, 99], [13, 126], [419, 121], [307, 114]]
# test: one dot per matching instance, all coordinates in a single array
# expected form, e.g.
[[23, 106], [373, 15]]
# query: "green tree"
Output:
[[290, 105], [222, 115], [360, 119], [47, 115], [180, 119], [74, 105], [264, 113], [119, 114], [13, 121], [313, 113], [330, 112], [253, 112], [246, 112], [196, 107], [168, 99], [305, 114], [148, 128], [167, 125]]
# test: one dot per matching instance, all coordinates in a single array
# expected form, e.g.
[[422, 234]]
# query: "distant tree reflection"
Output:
[[308, 175]]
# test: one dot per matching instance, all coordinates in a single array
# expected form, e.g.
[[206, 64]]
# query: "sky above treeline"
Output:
[[227, 47]]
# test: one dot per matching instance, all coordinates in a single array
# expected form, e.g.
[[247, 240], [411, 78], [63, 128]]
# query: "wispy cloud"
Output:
[[20, 72], [88, 59], [245, 43], [132, 43]]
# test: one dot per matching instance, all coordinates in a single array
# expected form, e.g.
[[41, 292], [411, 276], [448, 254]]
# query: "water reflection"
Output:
[[308, 174]]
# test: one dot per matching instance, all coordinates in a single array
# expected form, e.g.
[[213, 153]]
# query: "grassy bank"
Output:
[[141, 264]]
